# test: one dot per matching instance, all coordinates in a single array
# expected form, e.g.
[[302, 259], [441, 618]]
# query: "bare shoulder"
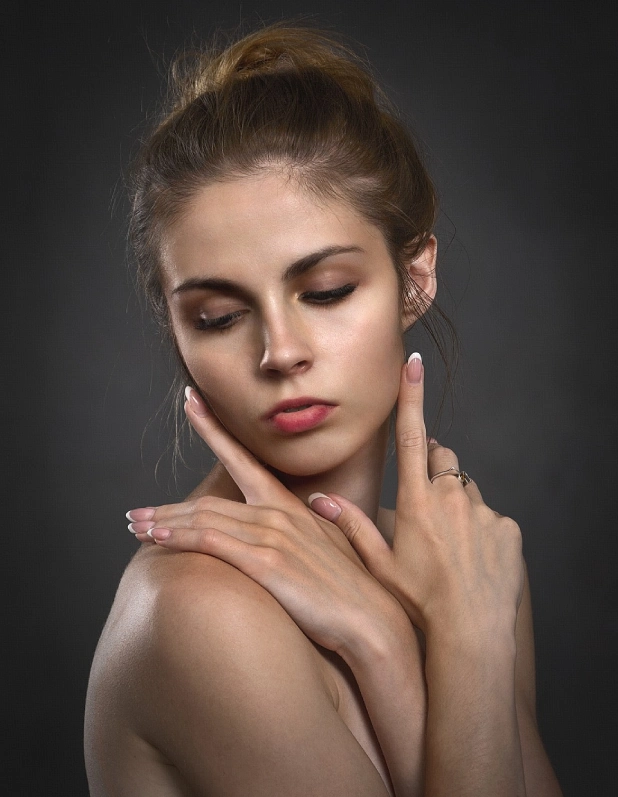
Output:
[[218, 687], [203, 615], [175, 611]]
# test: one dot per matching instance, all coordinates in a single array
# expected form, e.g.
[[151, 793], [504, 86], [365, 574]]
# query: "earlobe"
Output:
[[422, 285]]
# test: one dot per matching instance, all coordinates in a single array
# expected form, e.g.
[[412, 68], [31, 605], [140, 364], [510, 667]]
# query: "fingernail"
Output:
[[432, 441], [324, 506], [140, 527], [159, 534], [143, 513], [414, 371], [195, 402]]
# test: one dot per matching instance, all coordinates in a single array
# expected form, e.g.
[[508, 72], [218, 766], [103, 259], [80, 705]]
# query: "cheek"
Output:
[[218, 379], [215, 376], [375, 342]]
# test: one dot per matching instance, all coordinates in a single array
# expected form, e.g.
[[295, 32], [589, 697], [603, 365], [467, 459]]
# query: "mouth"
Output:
[[299, 415], [297, 409]]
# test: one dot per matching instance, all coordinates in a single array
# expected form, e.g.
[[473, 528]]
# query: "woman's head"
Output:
[[284, 112]]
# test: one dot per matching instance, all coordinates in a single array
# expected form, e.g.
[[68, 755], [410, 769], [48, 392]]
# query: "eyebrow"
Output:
[[294, 270]]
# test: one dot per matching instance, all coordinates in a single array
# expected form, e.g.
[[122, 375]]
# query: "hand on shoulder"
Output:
[[230, 690]]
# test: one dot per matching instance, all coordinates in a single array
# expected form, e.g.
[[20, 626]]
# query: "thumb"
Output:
[[359, 530]]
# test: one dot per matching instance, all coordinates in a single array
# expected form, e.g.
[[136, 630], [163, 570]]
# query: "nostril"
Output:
[[282, 368]]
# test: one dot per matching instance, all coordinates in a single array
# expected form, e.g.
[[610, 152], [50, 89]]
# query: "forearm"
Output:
[[454, 732], [472, 743], [387, 663]]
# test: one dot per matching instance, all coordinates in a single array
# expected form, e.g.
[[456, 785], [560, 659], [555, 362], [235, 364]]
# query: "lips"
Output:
[[299, 415]]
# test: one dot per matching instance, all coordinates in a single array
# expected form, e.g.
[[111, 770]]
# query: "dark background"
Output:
[[515, 103]]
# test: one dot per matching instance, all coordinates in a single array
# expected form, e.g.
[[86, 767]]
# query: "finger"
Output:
[[204, 523], [239, 554], [168, 512], [254, 524], [253, 533], [410, 430], [360, 532], [439, 459], [255, 482]]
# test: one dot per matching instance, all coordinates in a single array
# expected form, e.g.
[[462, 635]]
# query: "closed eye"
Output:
[[220, 323], [223, 322], [328, 297]]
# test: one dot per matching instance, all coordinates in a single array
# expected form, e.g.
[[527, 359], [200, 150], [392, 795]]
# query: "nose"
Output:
[[287, 350]]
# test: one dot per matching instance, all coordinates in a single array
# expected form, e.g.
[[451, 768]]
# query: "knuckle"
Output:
[[486, 514], [510, 527], [447, 452], [412, 438], [271, 558], [351, 528], [207, 540], [269, 537], [276, 518], [511, 534], [202, 519]]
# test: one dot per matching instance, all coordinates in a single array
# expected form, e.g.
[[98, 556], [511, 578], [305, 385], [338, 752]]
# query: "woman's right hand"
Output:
[[455, 564], [275, 539]]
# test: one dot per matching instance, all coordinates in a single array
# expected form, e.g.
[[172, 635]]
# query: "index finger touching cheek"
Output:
[[255, 482], [411, 435]]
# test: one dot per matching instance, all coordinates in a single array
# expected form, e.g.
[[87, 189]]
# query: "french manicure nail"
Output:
[[324, 506], [195, 402], [141, 526], [414, 371], [159, 534], [143, 513]]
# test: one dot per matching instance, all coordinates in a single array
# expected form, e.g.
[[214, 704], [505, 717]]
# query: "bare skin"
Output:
[[196, 673], [264, 648]]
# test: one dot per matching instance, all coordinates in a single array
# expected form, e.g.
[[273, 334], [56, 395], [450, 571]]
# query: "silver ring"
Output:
[[452, 471]]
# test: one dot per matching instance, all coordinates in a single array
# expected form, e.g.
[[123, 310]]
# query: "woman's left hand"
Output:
[[304, 561]]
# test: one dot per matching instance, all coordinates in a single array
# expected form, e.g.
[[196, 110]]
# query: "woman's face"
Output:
[[277, 297]]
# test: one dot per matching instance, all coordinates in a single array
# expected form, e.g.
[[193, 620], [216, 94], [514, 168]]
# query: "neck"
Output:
[[359, 479]]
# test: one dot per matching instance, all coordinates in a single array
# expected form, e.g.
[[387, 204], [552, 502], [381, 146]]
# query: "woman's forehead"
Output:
[[264, 220]]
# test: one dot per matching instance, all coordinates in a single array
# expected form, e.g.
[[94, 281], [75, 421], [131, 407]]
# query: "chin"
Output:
[[306, 465], [315, 454]]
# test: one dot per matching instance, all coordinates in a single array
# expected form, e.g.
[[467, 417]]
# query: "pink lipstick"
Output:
[[299, 415]]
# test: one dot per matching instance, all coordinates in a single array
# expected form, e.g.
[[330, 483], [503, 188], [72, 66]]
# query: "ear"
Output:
[[422, 271]]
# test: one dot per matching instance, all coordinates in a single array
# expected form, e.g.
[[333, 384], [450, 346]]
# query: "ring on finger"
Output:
[[453, 471]]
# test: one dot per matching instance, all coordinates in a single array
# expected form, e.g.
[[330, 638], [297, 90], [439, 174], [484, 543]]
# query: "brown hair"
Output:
[[298, 100]]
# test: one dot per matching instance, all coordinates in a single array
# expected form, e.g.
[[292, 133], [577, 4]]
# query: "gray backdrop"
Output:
[[515, 103]]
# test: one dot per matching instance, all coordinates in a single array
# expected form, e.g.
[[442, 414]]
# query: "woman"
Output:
[[306, 641]]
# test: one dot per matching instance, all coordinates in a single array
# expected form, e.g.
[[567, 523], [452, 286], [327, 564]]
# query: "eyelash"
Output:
[[329, 297], [224, 322]]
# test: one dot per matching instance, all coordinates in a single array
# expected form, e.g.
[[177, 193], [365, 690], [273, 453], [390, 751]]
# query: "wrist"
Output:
[[479, 647], [473, 630], [380, 637]]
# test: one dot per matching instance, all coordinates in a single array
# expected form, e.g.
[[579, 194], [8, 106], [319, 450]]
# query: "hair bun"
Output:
[[277, 48]]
